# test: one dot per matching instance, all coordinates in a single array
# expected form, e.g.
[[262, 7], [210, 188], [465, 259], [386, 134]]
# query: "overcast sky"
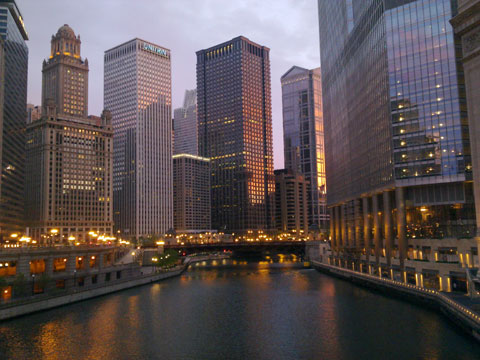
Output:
[[288, 27]]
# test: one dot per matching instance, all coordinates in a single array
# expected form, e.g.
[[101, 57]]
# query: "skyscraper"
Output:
[[69, 154], [12, 186], [303, 136], [467, 25], [291, 201], [191, 193], [65, 75], [137, 91], [185, 126], [235, 133], [396, 133]]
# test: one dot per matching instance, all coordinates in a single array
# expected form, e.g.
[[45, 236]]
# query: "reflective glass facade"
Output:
[[137, 91], [396, 133], [235, 133], [429, 115], [303, 136], [12, 184], [185, 128], [355, 100]]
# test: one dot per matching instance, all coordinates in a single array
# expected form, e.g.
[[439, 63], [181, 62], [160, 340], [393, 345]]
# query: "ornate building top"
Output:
[[65, 42]]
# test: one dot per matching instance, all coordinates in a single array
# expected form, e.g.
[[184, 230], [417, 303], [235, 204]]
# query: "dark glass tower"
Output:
[[397, 147], [303, 139], [235, 132], [12, 142]]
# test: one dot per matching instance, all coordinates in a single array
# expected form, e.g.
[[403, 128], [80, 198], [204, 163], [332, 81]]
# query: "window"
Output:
[[60, 284]]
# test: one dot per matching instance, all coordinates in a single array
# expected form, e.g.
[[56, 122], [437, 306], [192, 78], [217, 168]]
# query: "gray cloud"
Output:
[[288, 27]]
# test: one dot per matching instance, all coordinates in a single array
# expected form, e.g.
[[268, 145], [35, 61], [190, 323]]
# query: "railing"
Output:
[[63, 248], [429, 292]]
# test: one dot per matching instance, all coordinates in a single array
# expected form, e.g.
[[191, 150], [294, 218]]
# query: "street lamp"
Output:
[[54, 232], [74, 278], [33, 284], [25, 239]]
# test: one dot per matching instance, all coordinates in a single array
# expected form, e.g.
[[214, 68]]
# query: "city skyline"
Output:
[[162, 231], [248, 18]]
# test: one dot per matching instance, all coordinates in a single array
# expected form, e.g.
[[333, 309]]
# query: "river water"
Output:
[[238, 310]]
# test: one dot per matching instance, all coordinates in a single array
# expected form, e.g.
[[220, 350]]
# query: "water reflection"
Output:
[[238, 309]]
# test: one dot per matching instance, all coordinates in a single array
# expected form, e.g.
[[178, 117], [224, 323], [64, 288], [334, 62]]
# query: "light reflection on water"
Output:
[[235, 309]]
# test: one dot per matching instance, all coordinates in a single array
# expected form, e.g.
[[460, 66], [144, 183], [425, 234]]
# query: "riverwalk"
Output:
[[461, 312]]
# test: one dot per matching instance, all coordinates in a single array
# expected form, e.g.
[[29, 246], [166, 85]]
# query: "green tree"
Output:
[[168, 259]]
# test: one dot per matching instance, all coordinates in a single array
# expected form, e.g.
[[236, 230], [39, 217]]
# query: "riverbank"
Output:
[[461, 315], [149, 275], [35, 305]]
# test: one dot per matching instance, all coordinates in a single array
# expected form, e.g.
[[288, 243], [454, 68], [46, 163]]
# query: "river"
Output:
[[238, 310]]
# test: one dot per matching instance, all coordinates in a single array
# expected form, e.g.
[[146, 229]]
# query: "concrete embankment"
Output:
[[51, 302], [463, 316], [35, 305]]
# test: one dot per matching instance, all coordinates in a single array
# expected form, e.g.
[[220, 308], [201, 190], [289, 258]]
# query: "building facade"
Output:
[[235, 133], [185, 128], [137, 91], [303, 138], [34, 113], [65, 75], [467, 25], [291, 202], [69, 155], [12, 187], [191, 193], [396, 134]]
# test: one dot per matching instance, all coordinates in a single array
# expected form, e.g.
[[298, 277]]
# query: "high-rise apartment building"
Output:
[[191, 193], [185, 126], [235, 133], [291, 201], [137, 91], [12, 142], [303, 136], [69, 154], [398, 159]]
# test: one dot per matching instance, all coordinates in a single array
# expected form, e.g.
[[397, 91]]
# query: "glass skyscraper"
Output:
[[185, 128], [12, 182], [137, 91], [303, 137], [235, 133], [397, 146]]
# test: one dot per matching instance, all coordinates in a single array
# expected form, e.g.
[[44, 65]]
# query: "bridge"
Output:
[[244, 247]]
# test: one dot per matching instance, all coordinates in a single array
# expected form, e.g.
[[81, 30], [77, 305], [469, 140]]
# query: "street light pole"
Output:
[[33, 284]]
